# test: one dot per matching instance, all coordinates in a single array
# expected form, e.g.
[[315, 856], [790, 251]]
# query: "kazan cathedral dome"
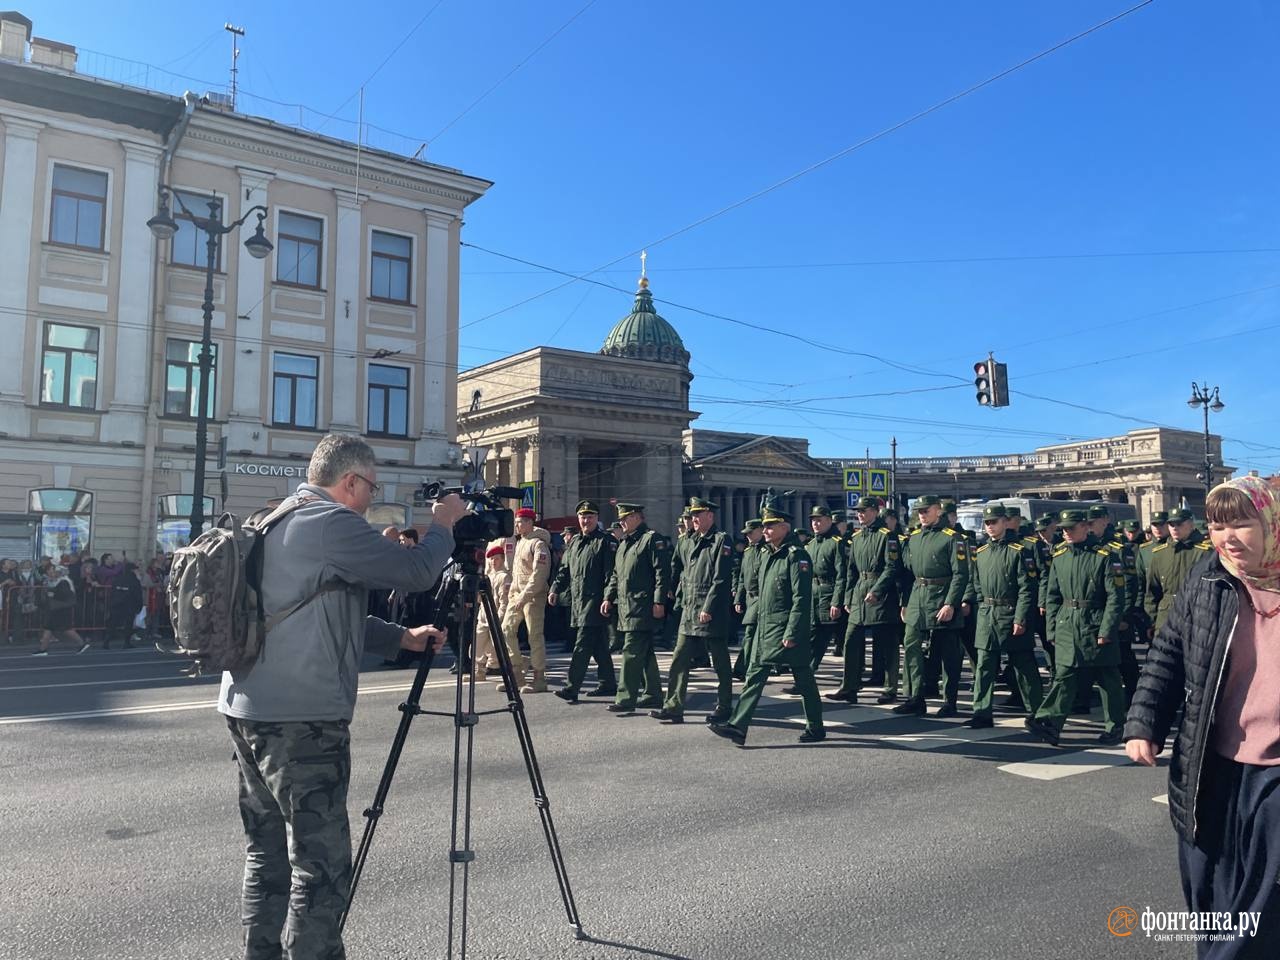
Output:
[[643, 335]]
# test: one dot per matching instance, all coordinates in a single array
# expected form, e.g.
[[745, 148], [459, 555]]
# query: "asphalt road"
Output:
[[896, 838]]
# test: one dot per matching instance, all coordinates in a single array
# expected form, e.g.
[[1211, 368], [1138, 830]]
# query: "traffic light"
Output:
[[991, 383]]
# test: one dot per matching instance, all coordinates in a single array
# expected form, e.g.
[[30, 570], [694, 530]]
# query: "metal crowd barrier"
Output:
[[24, 611]]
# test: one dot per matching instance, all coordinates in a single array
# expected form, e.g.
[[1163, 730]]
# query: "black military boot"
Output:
[[948, 709], [915, 705]]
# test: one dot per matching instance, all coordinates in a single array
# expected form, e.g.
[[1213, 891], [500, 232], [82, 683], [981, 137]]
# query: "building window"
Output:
[[65, 520], [299, 243], [69, 368], [79, 208], [190, 243], [182, 379], [388, 401], [293, 390], [391, 269]]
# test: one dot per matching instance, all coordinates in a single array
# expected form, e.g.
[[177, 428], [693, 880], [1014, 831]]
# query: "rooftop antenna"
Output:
[[236, 34]]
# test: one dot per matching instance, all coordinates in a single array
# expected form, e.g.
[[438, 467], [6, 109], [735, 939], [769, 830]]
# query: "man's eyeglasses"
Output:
[[373, 487]]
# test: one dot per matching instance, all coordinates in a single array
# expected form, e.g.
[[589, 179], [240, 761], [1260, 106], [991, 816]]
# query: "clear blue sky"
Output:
[[1117, 199]]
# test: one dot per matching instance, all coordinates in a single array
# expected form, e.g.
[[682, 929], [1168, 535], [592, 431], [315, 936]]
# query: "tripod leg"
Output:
[[516, 706], [464, 729], [409, 709]]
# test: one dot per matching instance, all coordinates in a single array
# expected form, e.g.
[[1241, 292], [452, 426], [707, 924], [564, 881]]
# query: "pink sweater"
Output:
[[1246, 723]]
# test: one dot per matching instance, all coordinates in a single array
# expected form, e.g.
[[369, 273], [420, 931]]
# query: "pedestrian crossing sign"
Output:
[[529, 494], [878, 481], [853, 478]]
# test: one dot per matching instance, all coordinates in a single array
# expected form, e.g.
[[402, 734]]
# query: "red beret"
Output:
[[528, 513], [495, 551]]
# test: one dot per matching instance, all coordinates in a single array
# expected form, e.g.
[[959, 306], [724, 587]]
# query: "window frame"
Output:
[[407, 261], [293, 392], [67, 352], [319, 244], [180, 217], [191, 394], [386, 389], [105, 200]]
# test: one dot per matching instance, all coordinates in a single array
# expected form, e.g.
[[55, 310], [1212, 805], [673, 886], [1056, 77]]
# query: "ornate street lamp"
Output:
[[1207, 397], [163, 227]]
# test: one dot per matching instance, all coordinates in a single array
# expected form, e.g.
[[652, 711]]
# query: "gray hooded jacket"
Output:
[[310, 662]]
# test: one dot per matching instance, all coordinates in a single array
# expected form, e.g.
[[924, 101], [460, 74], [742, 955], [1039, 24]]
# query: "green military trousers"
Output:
[[641, 682], [743, 663], [945, 646], [687, 648], [1026, 675], [1067, 679], [884, 638], [758, 675], [592, 643], [293, 804]]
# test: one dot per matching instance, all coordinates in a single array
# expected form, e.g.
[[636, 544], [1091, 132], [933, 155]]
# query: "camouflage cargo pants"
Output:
[[293, 802]]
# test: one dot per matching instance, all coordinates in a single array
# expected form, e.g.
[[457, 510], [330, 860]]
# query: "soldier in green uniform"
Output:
[[1084, 600], [840, 530], [870, 583], [615, 638], [637, 588], [584, 573], [748, 589], [938, 558], [1005, 594], [785, 605], [703, 596], [893, 649], [827, 563], [1171, 562]]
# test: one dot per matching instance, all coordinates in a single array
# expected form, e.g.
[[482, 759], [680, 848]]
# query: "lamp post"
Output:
[[163, 227], [1202, 395]]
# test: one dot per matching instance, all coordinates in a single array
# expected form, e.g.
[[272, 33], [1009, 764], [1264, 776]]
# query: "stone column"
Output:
[[347, 302], [571, 495], [127, 417], [518, 447], [252, 301], [18, 201]]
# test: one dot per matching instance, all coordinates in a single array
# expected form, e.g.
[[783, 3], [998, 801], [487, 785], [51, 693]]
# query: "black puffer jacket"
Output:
[[1184, 668]]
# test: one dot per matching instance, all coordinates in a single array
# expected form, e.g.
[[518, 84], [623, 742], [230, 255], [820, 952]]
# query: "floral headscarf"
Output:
[[1265, 495]]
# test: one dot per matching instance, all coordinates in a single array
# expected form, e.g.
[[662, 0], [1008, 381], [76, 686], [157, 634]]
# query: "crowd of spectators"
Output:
[[81, 598]]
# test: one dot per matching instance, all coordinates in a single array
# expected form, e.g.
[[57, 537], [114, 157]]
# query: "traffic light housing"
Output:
[[991, 383]]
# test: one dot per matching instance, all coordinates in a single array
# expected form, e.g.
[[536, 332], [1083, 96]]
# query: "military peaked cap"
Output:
[[994, 511], [1069, 518], [820, 511], [751, 525], [928, 500], [1160, 516], [866, 503], [1099, 511], [1180, 515], [697, 505], [774, 515], [587, 506], [626, 509]]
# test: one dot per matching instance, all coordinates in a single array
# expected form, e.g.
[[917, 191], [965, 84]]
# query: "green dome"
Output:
[[644, 335]]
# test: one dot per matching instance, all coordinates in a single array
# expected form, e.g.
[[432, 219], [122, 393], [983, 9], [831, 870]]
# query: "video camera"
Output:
[[487, 519]]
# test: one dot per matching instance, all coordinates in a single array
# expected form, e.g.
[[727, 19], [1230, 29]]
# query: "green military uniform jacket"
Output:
[[1004, 592], [785, 583], [748, 589], [1170, 564], [1142, 560], [1084, 600], [640, 578], [875, 566], [706, 571], [1044, 560], [584, 573], [827, 558], [938, 558], [1129, 560]]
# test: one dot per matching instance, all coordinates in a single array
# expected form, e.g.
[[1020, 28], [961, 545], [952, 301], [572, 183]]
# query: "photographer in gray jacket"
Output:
[[289, 712]]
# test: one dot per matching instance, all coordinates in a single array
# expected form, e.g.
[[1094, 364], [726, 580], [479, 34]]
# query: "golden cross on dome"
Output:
[[644, 255]]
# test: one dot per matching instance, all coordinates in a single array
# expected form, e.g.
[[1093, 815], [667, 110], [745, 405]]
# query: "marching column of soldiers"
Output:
[[924, 600]]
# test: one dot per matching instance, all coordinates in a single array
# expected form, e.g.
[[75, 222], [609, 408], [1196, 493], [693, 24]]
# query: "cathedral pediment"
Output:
[[763, 453]]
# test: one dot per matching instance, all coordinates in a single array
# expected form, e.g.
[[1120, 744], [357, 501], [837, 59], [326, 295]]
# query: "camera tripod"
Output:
[[460, 595]]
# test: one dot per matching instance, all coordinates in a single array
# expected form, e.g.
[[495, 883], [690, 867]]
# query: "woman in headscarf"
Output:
[[1218, 657]]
